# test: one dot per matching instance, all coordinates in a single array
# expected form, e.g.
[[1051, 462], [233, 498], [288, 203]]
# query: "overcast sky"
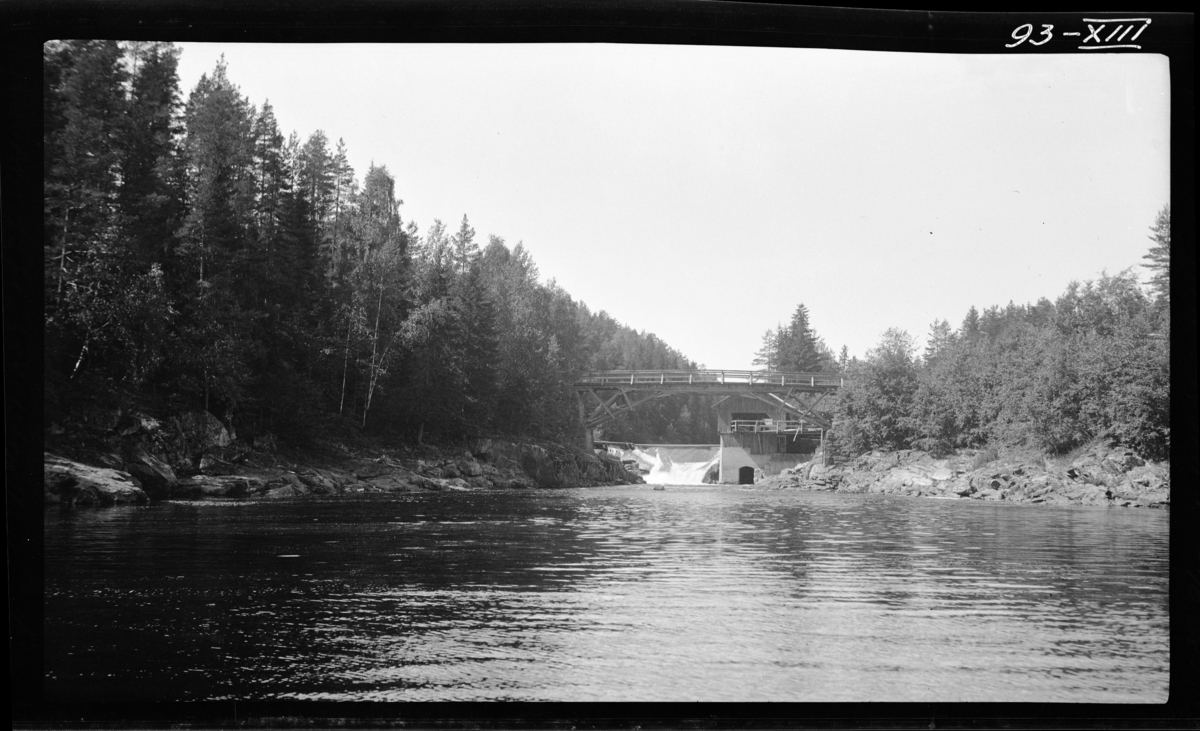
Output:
[[701, 193]]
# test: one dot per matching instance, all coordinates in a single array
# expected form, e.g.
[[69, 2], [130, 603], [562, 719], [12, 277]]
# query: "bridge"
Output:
[[605, 395]]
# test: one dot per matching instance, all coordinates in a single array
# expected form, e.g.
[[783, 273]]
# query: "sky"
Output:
[[702, 193]]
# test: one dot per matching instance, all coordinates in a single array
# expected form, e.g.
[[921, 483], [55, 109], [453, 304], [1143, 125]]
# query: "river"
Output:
[[608, 594]]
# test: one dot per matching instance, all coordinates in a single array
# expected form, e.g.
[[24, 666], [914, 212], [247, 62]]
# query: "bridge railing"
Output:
[[678, 377], [769, 426]]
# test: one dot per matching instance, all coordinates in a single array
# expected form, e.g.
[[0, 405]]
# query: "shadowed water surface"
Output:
[[624, 593]]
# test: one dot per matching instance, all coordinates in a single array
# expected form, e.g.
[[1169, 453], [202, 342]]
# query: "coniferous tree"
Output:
[[217, 242], [843, 359], [466, 251], [768, 355], [1159, 256], [151, 197], [940, 338], [85, 244], [799, 349], [317, 177], [219, 148], [970, 324], [84, 177], [273, 178], [344, 189]]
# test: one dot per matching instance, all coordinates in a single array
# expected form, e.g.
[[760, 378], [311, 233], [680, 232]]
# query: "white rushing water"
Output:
[[672, 465]]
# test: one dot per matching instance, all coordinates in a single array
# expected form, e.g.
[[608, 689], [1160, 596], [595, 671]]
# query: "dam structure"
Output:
[[767, 420]]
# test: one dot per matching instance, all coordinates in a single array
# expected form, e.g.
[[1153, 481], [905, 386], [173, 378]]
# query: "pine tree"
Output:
[[1159, 256], [940, 338], [798, 346], [768, 355], [270, 171], [86, 245], [151, 196], [84, 181], [479, 350], [466, 251], [317, 176], [220, 154], [970, 325], [344, 188]]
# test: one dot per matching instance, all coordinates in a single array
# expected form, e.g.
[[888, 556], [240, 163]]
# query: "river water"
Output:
[[609, 594]]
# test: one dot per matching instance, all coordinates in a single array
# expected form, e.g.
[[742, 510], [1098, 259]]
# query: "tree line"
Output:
[[196, 257], [1050, 376]]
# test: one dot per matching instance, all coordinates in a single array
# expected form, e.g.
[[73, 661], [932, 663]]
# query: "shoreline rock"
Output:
[[68, 483], [194, 457], [1101, 475]]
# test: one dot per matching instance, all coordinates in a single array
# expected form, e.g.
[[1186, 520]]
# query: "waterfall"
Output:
[[668, 464]]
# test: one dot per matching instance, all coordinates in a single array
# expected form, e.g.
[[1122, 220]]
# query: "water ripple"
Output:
[[608, 594]]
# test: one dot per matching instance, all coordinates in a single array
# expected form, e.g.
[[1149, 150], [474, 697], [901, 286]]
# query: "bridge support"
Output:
[[588, 444]]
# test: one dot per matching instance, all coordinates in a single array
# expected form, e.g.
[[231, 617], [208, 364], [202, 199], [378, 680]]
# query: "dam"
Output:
[[768, 421]]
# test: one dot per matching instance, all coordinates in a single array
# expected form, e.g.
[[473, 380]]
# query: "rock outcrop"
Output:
[[68, 483], [1102, 474], [195, 456]]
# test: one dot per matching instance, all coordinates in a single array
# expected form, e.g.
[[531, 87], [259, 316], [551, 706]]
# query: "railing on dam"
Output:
[[773, 426], [719, 377]]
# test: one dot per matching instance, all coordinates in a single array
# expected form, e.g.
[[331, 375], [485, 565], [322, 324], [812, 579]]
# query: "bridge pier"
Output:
[[588, 444]]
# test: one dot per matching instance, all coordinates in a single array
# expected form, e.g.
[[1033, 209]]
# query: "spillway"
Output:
[[672, 464]]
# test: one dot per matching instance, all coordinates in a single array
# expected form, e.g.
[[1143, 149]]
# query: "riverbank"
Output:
[[1100, 474], [119, 456]]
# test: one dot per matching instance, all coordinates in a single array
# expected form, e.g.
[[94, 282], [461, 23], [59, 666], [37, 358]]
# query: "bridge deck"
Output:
[[710, 381]]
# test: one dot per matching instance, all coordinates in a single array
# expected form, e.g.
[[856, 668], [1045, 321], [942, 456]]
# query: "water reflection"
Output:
[[693, 593]]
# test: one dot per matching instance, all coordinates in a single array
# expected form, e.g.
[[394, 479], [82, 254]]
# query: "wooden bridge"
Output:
[[605, 395]]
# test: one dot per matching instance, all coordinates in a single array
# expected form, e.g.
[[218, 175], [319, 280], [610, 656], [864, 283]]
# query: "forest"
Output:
[[196, 257], [1050, 376]]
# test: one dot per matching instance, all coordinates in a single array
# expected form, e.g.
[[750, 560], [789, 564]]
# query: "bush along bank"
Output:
[[127, 457], [1101, 474]]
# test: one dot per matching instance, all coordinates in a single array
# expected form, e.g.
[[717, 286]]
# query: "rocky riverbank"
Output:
[[114, 457], [1101, 474]]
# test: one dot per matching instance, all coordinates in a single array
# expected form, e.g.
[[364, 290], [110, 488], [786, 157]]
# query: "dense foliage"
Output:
[[196, 257], [1050, 376]]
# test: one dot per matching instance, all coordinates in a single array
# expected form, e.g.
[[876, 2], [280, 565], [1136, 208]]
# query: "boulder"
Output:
[[481, 449], [319, 483], [1092, 495], [374, 469], [70, 483], [1154, 498], [156, 476], [200, 431]]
